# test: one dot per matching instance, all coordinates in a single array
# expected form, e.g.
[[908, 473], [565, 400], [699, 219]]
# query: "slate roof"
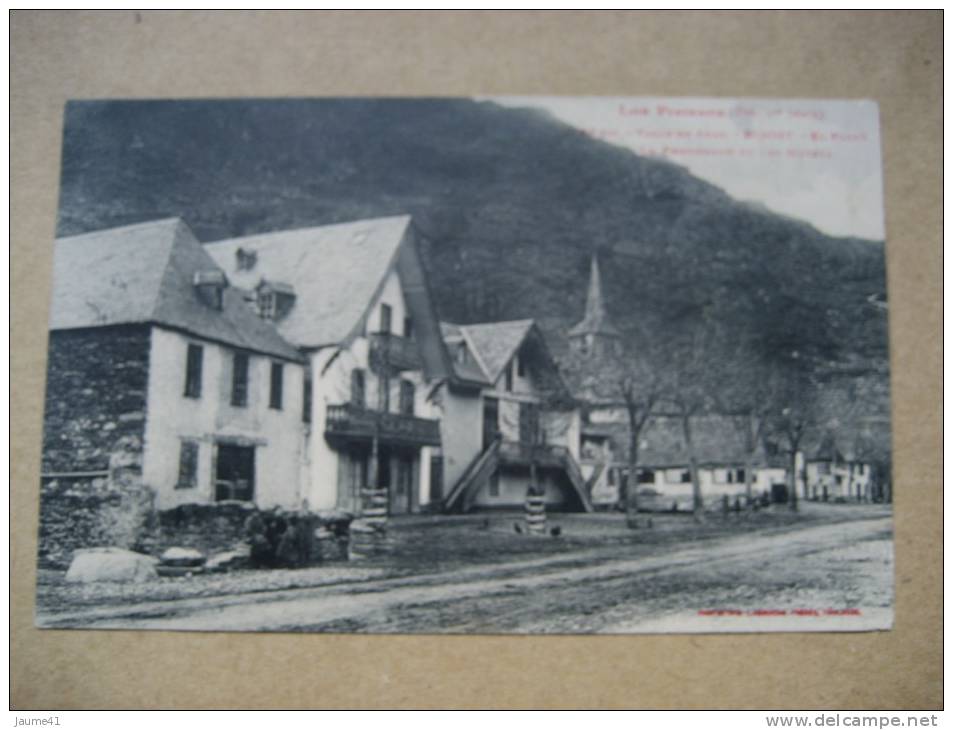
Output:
[[468, 370], [662, 443], [494, 343], [335, 272], [596, 319], [144, 273]]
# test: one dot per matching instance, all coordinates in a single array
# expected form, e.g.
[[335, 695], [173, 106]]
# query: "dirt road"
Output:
[[816, 578]]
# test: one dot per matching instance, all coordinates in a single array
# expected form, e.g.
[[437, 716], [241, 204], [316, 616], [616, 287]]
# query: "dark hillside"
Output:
[[510, 204]]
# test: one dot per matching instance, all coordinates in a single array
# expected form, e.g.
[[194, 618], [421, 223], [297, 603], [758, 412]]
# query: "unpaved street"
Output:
[[806, 579]]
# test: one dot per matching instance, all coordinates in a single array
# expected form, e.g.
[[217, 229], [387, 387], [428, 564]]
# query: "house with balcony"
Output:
[[507, 421], [159, 374], [353, 299]]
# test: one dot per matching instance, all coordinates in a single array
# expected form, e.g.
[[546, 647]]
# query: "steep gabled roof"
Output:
[[335, 272], [144, 273], [468, 370], [493, 346], [495, 343], [596, 319]]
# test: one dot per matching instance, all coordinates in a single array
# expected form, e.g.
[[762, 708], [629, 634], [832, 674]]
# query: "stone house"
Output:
[[159, 373]]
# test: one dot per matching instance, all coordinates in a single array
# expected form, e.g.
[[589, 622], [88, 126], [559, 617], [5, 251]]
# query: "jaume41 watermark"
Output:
[[36, 721], [842, 720]]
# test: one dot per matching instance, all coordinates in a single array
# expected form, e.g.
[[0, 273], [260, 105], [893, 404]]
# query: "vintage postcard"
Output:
[[473, 365]]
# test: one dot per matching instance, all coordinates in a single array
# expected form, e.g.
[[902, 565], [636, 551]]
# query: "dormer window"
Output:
[[245, 260], [462, 353], [275, 299], [210, 286], [267, 304]]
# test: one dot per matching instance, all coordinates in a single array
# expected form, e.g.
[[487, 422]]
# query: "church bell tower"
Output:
[[595, 336]]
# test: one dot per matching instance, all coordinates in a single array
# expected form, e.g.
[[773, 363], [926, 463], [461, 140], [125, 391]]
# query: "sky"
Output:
[[816, 160]]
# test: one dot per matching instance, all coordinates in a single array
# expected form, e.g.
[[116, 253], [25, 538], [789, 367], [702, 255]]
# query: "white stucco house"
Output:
[[507, 420], [353, 299]]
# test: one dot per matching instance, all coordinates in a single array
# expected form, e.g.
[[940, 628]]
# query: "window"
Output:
[[495, 484], [686, 476], [277, 385], [675, 476], [646, 476], [509, 377], [267, 304], [520, 367], [193, 372], [240, 379], [188, 465], [385, 319], [406, 397], [408, 327], [306, 400], [462, 353], [383, 394], [611, 477], [357, 388]]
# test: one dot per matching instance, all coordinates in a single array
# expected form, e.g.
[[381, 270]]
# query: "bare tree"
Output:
[[628, 376], [792, 416], [746, 396], [690, 385]]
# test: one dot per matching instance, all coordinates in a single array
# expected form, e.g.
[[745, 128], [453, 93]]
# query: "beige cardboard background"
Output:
[[894, 58]]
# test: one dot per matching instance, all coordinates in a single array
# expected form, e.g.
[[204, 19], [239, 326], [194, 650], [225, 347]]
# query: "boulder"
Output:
[[93, 565], [179, 571], [182, 557], [230, 560]]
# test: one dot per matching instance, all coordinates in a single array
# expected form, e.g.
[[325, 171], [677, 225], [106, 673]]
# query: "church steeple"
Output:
[[595, 334]]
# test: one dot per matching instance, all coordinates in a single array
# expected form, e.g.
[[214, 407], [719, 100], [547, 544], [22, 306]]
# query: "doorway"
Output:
[[402, 486], [491, 421], [235, 473]]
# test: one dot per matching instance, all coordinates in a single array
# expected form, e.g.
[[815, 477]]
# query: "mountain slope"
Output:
[[510, 204]]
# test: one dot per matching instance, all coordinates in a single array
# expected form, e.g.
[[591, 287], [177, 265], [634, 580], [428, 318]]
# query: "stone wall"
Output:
[[95, 396], [91, 492], [88, 512]]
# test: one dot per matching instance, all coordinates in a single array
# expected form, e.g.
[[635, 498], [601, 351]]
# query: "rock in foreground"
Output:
[[95, 565]]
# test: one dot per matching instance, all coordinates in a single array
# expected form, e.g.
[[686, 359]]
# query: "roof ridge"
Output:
[[122, 229], [304, 229], [526, 320], [167, 272]]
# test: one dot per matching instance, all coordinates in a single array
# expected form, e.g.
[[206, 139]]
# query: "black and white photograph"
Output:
[[487, 365]]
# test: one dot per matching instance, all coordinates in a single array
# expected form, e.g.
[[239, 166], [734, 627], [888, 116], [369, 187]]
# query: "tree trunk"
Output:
[[792, 497], [631, 484], [749, 469], [751, 445], [697, 502]]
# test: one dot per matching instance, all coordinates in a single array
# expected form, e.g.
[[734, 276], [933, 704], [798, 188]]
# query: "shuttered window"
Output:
[[277, 385], [358, 397], [240, 379], [188, 465], [406, 397], [193, 372]]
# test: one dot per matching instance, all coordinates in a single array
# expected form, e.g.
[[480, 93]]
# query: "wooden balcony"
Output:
[[396, 352], [349, 422], [519, 453]]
